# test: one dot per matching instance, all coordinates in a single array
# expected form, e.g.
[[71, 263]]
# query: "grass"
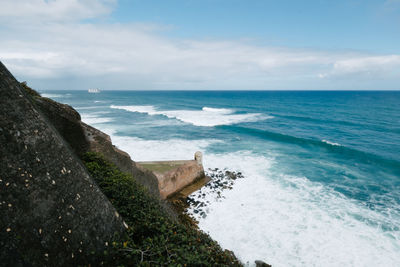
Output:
[[153, 238]]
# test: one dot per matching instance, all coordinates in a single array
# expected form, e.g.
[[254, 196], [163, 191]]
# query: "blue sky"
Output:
[[365, 25], [202, 45]]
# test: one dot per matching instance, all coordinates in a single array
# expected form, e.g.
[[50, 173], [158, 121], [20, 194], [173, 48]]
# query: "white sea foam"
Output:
[[143, 150], [218, 110], [331, 143], [290, 221], [94, 118], [140, 109], [205, 117], [52, 95]]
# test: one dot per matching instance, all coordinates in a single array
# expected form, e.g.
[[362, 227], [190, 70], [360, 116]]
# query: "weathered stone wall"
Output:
[[173, 176], [175, 180], [51, 211]]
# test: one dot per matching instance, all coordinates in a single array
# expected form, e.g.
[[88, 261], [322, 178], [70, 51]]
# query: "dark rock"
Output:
[[51, 211], [220, 181], [261, 264], [67, 121], [231, 175]]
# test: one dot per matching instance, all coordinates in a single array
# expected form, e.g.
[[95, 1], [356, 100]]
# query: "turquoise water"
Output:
[[322, 169]]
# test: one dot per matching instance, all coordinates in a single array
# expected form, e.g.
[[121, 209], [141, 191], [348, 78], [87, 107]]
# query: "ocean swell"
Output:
[[207, 116], [329, 146]]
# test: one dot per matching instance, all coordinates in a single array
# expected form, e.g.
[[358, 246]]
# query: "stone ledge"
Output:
[[174, 175]]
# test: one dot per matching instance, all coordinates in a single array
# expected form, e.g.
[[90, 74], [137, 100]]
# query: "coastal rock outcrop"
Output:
[[97, 141], [84, 138], [66, 120], [51, 211], [219, 181]]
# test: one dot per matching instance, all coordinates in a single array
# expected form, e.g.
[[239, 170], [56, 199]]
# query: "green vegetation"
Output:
[[29, 90], [152, 238]]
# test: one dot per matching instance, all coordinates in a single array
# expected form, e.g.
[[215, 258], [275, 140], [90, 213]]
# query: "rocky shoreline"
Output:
[[57, 214], [220, 180], [191, 202], [194, 206]]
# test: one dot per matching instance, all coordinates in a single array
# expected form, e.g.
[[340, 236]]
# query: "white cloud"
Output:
[[54, 10], [130, 56], [366, 65]]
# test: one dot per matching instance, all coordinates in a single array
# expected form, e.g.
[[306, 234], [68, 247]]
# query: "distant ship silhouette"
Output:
[[94, 91]]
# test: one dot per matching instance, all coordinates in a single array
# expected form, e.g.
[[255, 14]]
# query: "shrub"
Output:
[[152, 237]]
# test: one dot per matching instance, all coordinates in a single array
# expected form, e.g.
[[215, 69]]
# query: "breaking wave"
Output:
[[205, 117]]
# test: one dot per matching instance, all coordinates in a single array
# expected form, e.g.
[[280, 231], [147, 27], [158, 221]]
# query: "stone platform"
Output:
[[174, 175]]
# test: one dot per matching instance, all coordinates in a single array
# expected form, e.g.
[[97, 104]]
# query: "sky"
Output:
[[202, 44]]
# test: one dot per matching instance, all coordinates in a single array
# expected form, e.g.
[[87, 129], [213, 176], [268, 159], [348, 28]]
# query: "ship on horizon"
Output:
[[94, 90]]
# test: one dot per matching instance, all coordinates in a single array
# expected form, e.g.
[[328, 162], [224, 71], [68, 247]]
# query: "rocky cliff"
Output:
[[83, 138], [51, 211]]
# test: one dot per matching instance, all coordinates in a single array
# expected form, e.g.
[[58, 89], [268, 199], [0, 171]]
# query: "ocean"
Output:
[[321, 170]]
